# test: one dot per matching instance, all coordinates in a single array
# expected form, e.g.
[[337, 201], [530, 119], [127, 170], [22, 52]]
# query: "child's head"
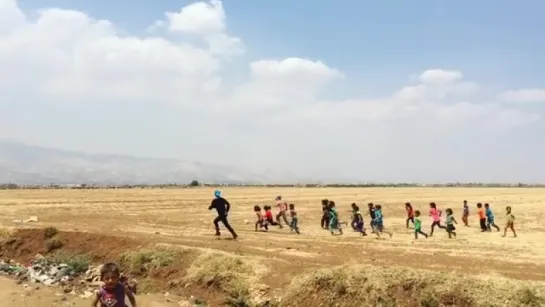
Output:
[[465, 202], [110, 274], [353, 205], [257, 208], [448, 211], [408, 206], [278, 198], [378, 207], [508, 209], [417, 213], [486, 205], [479, 205], [331, 204], [292, 206], [433, 205], [266, 208], [325, 202], [370, 205]]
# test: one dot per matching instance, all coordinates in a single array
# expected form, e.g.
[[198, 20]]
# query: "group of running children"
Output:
[[116, 287], [330, 219]]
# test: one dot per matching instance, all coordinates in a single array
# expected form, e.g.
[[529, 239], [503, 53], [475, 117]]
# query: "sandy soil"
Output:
[[180, 217]]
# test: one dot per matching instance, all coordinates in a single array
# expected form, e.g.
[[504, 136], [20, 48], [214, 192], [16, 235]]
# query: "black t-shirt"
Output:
[[221, 205]]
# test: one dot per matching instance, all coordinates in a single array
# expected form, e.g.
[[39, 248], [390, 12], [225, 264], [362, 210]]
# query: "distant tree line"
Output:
[[196, 183]]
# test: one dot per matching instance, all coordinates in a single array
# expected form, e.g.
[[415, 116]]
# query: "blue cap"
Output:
[[217, 193]]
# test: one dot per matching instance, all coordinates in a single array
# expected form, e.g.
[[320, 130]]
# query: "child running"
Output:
[[490, 218], [325, 214], [269, 216], [379, 222], [509, 222], [410, 214], [294, 219], [465, 214], [358, 221], [418, 225], [451, 229], [334, 219], [282, 208], [436, 217], [355, 210], [113, 293], [372, 215], [482, 217], [261, 222]]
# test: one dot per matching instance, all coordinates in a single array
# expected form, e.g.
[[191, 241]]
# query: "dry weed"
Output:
[[5, 233], [365, 285], [231, 274], [146, 260]]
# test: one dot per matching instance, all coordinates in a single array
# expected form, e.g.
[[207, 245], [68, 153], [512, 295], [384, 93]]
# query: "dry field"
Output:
[[179, 218]]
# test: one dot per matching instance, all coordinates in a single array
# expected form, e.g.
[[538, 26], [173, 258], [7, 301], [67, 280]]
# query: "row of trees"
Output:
[[196, 183]]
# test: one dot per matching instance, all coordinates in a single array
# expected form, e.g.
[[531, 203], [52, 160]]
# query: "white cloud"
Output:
[[68, 56], [523, 95]]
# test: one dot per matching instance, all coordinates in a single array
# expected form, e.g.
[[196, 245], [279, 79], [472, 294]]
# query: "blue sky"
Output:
[[498, 41], [378, 47]]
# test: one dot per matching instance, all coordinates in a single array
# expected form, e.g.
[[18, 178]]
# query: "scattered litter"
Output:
[[45, 272]]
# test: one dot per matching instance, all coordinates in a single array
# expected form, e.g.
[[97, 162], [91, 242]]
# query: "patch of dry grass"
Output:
[[5, 233], [145, 260], [365, 285], [230, 274]]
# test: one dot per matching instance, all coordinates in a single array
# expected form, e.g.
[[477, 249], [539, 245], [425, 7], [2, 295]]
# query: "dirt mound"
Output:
[[366, 285], [24, 244]]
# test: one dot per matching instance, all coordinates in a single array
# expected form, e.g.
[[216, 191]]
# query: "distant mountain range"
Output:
[[26, 164]]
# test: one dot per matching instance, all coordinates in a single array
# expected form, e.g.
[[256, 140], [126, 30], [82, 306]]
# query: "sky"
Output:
[[421, 91]]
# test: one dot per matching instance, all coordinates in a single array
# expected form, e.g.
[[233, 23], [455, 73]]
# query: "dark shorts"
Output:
[[451, 228], [379, 226]]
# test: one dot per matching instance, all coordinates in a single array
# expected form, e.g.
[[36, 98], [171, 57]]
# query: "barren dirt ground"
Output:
[[180, 217]]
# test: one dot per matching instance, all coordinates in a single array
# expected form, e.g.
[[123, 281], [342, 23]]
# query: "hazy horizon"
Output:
[[425, 92]]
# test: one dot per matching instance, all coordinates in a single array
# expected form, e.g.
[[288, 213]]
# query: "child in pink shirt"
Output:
[[436, 218]]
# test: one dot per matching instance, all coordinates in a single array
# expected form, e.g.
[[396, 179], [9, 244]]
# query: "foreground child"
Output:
[[436, 218], [490, 218], [482, 217], [113, 293], [418, 225], [451, 229], [379, 222], [410, 214], [509, 222], [294, 220], [465, 214], [261, 221]]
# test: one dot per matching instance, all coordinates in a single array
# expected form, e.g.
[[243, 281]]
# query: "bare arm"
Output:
[[455, 222]]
